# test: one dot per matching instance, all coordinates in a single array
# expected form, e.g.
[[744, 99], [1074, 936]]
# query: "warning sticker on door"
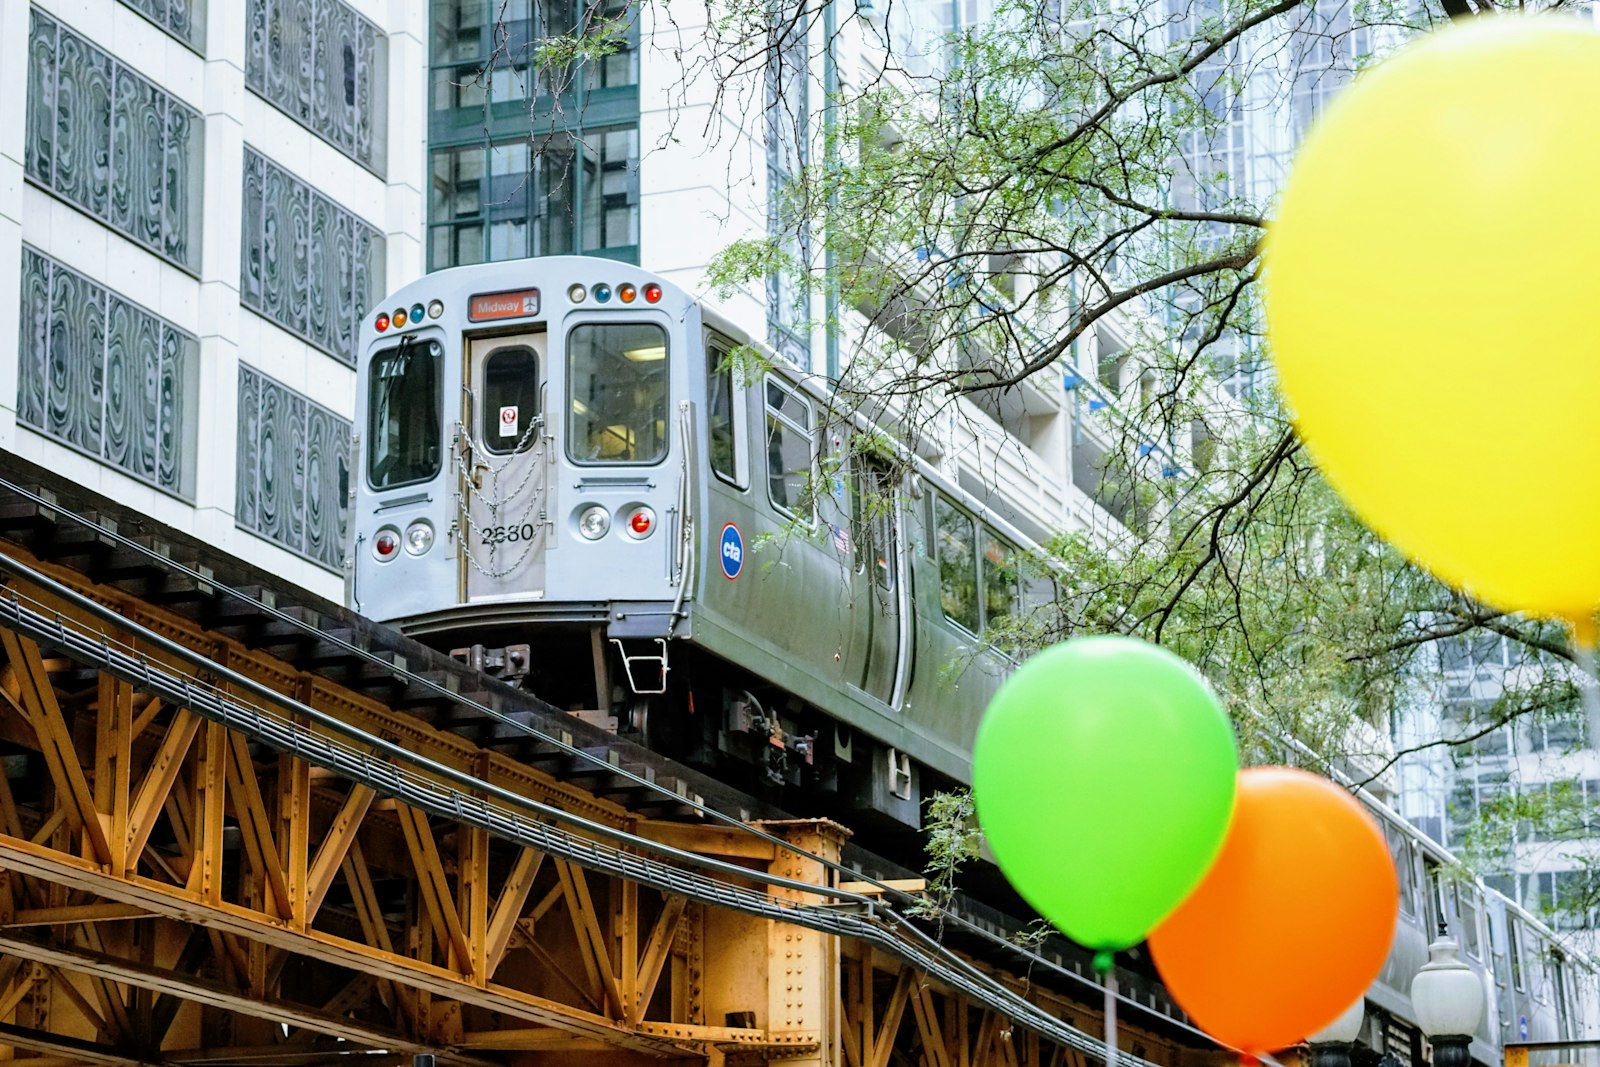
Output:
[[508, 421]]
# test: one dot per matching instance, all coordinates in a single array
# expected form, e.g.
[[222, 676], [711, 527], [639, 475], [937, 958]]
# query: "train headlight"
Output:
[[594, 522], [435, 308], [386, 544], [419, 537], [641, 522], [576, 294]]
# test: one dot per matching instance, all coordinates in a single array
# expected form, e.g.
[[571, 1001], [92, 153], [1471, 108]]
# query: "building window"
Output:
[[533, 160], [105, 376], [183, 19], [556, 194], [326, 67], [307, 264], [111, 143], [483, 49], [294, 470], [788, 152]]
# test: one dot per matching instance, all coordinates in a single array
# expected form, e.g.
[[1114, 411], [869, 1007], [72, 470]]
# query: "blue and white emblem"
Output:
[[732, 551]]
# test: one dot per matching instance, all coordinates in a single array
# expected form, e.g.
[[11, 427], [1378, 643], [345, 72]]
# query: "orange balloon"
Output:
[[1294, 920]]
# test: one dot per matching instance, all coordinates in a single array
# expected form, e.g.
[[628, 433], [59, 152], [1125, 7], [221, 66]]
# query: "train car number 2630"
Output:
[[498, 535]]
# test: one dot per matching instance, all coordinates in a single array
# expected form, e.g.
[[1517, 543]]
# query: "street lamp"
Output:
[[1330, 1046], [1447, 998]]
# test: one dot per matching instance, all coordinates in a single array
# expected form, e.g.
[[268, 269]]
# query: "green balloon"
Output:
[[1104, 775]]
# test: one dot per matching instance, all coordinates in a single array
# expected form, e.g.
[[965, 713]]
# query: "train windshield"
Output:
[[617, 387], [403, 414]]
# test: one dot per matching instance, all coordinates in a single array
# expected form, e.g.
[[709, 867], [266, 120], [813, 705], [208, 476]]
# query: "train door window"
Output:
[[510, 405], [1495, 957], [404, 413], [1001, 592], [1433, 885], [958, 564], [724, 416], [1468, 908], [1514, 950], [874, 520], [790, 447], [617, 388]]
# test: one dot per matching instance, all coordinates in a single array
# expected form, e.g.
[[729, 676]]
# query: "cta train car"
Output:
[[576, 476], [1538, 988], [565, 477]]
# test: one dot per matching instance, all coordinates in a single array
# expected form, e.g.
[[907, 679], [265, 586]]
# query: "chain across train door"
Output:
[[504, 468]]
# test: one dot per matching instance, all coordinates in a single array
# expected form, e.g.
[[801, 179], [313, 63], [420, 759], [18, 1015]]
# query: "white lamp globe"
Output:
[[1446, 996], [1346, 1028]]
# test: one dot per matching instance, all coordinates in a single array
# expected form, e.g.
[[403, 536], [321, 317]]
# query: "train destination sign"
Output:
[[512, 304]]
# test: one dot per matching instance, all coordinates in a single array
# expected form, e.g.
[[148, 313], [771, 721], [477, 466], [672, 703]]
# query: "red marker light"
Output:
[[627, 293], [641, 522], [383, 321], [386, 544], [652, 292]]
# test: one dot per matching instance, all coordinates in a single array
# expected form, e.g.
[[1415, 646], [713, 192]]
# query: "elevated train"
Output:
[[565, 478]]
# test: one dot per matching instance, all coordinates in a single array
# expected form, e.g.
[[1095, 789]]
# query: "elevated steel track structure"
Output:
[[237, 826]]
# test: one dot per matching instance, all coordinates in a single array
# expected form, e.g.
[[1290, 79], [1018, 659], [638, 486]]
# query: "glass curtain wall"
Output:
[[530, 157]]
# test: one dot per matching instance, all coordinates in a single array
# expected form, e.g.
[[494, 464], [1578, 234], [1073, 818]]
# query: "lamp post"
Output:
[[1330, 1046], [1447, 998]]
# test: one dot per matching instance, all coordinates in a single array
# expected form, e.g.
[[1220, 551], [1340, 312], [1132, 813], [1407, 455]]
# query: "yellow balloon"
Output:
[[1433, 302]]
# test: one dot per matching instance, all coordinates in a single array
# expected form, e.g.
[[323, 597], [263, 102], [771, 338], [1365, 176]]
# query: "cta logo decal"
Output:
[[732, 551]]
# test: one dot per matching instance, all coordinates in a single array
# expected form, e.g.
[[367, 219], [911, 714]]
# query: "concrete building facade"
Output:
[[197, 202]]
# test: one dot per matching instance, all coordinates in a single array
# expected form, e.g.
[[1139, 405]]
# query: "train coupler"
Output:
[[509, 664]]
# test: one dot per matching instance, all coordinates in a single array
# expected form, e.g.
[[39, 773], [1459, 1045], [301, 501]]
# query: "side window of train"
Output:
[[1514, 950], [874, 517], [1001, 590], [510, 380], [1400, 850], [790, 448], [724, 416], [958, 563], [1558, 978]]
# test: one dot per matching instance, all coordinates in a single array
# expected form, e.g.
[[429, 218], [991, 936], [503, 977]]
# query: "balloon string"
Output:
[[1110, 977]]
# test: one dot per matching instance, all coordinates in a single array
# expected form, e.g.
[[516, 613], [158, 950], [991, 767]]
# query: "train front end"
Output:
[[523, 454]]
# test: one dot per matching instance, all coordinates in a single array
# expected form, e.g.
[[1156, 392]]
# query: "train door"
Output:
[[504, 463], [876, 577]]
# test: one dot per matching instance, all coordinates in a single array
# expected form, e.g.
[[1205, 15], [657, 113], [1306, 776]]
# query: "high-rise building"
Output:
[[198, 201]]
